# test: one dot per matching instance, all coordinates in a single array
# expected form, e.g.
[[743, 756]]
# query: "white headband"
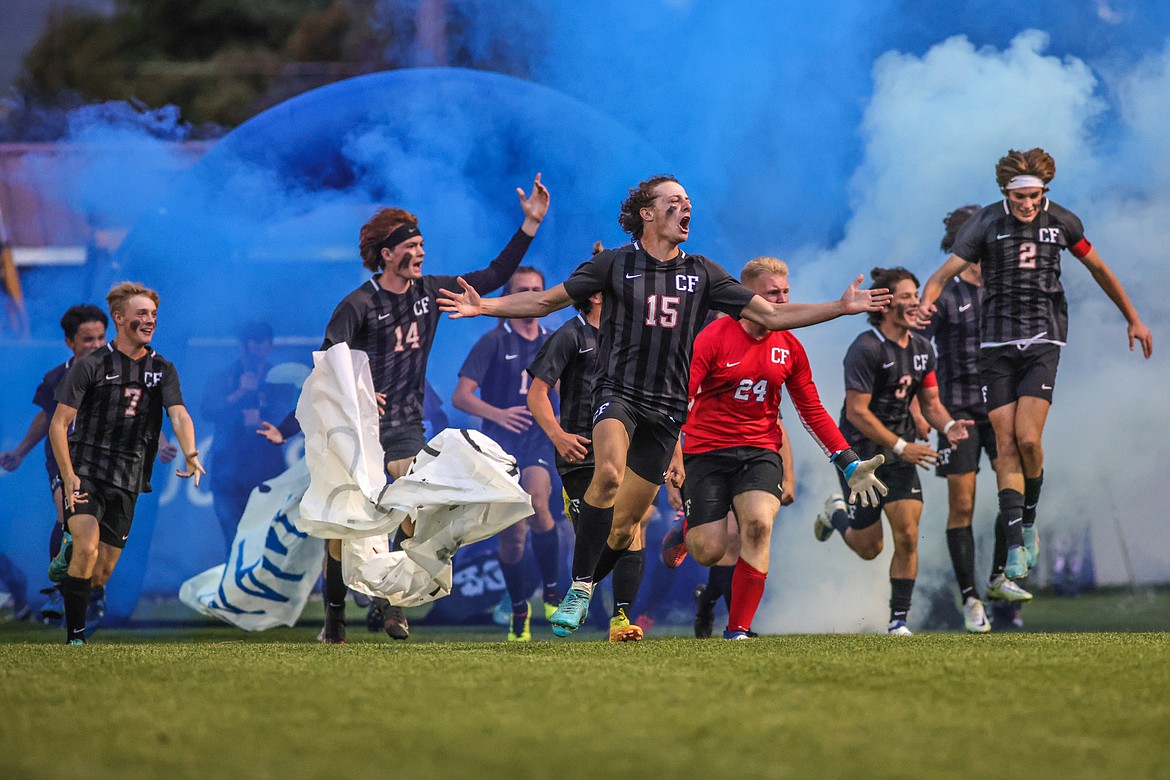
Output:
[[1023, 182]]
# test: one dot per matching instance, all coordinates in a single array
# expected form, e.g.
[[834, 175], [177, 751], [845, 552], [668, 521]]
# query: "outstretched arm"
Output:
[[786, 316], [516, 306], [1136, 330], [534, 206], [953, 266]]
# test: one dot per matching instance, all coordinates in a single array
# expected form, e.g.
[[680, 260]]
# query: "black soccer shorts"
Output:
[[1008, 373], [901, 477], [112, 506], [964, 459], [714, 478], [653, 436]]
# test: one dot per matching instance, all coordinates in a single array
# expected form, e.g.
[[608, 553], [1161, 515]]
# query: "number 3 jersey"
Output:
[[735, 387], [1023, 299], [892, 375], [120, 404], [650, 316]]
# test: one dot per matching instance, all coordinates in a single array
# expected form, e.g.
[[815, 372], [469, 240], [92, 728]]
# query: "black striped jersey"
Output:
[[396, 330], [1023, 300], [45, 396], [954, 329], [571, 357], [892, 375], [498, 363], [650, 316], [120, 404]]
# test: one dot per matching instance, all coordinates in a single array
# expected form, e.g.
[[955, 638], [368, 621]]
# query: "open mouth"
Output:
[[685, 223]]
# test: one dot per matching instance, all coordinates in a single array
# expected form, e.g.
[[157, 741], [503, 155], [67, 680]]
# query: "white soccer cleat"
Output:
[[1003, 589], [898, 628], [975, 617], [823, 525]]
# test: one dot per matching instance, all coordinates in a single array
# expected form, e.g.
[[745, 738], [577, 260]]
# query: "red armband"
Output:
[[1081, 248]]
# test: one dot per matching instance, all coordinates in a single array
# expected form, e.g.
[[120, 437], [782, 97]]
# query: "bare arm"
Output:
[[59, 439], [786, 316], [522, 305], [857, 411], [516, 419], [1109, 282], [953, 266], [571, 446], [939, 418], [788, 482], [184, 430], [37, 429]]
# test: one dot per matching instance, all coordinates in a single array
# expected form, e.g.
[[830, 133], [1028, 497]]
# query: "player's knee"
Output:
[[1029, 446], [755, 533], [906, 543], [706, 552], [870, 549]]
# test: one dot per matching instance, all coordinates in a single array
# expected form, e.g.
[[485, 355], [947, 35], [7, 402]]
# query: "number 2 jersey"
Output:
[[650, 316], [1023, 299], [735, 388], [120, 404]]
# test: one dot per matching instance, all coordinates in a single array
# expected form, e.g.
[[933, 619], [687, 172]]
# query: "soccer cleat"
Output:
[[376, 615], [674, 543], [572, 612], [704, 613], [523, 621], [59, 566], [53, 610], [898, 628], [823, 525], [737, 635], [396, 624], [1003, 589], [1017, 562], [1032, 545], [502, 613], [975, 617], [551, 602], [75, 643], [622, 630]]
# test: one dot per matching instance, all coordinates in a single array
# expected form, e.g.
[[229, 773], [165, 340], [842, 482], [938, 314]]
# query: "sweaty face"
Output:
[[406, 259], [137, 319], [773, 288], [670, 213], [1025, 203], [88, 338], [904, 308]]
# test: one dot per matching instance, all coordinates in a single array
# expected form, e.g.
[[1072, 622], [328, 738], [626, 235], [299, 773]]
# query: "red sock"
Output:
[[747, 588]]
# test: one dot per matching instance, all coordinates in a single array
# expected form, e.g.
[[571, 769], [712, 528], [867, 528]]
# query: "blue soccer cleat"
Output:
[[571, 613], [1017, 563], [1032, 545], [59, 566]]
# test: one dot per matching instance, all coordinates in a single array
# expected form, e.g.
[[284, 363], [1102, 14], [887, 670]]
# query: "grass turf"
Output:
[[212, 700]]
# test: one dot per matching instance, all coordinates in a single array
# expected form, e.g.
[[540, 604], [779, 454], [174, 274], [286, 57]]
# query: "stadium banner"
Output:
[[272, 566], [461, 488]]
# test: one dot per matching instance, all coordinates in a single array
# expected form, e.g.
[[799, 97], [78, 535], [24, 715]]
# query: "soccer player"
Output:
[[114, 398], [955, 331], [1017, 243], [497, 368], [392, 318], [886, 367], [732, 440], [656, 297]]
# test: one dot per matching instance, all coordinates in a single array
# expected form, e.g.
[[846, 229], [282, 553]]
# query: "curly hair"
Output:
[[1034, 162], [377, 230], [888, 278], [953, 221], [630, 217], [78, 315], [120, 293]]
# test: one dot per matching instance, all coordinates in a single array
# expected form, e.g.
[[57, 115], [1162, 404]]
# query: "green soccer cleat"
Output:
[[1032, 545], [522, 622], [75, 643], [975, 616], [1003, 589], [571, 613], [1017, 563], [59, 566], [622, 630]]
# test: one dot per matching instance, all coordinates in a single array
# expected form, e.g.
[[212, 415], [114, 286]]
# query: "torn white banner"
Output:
[[272, 566], [462, 488]]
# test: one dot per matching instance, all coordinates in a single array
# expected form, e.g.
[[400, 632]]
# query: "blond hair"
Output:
[[759, 266], [120, 293], [1034, 162]]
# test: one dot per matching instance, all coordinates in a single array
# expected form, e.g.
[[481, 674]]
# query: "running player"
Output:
[[656, 297], [886, 367], [114, 397], [1017, 243], [496, 367], [392, 318], [732, 440]]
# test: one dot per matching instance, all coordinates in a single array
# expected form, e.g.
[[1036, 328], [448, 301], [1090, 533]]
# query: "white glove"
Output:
[[864, 484]]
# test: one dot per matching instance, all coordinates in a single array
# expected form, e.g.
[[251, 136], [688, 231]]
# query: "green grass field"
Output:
[[211, 701]]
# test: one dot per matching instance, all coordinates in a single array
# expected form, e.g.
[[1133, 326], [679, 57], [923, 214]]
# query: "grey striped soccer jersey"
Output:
[[955, 331], [571, 356]]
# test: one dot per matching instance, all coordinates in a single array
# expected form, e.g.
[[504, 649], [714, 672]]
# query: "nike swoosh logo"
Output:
[[124, 538], [733, 365], [1005, 235], [511, 357], [1017, 520], [583, 351], [888, 365], [965, 307], [1045, 387], [115, 376], [383, 316], [633, 276], [915, 490], [1030, 506]]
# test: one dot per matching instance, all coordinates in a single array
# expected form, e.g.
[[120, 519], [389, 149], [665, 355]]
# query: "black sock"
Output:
[[1011, 514], [961, 544], [605, 563], [335, 589], [720, 577], [900, 592], [840, 521], [627, 578], [546, 548], [514, 581], [75, 591], [1032, 487], [55, 540], [999, 556], [593, 524]]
